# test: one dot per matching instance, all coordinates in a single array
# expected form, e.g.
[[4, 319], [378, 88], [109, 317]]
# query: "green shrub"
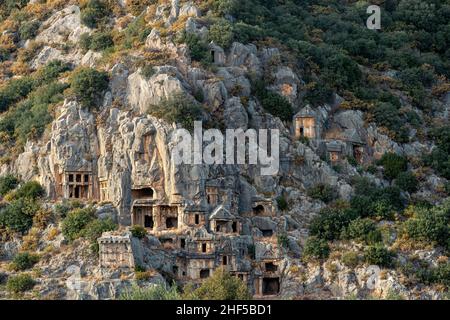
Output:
[[24, 260], [97, 41], [387, 115], [20, 283], [74, 223], [7, 183], [94, 13], [155, 292], [51, 71], [414, 77], [198, 48], [4, 54], [407, 182], [272, 102], [382, 208], [8, 6], [282, 203], [28, 29], [430, 224], [138, 231], [283, 240], [323, 192], [18, 215], [101, 41], [447, 188], [330, 223], [31, 190], [393, 164], [15, 90], [63, 208], [147, 71], [135, 7], [221, 33], [441, 274], [378, 255], [370, 200], [177, 109], [29, 118], [136, 32], [352, 161], [316, 248], [220, 286], [350, 259], [364, 230], [85, 41], [372, 169], [95, 228], [88, 85]]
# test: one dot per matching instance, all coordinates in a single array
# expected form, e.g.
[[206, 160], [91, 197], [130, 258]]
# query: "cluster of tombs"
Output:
[[337, 144], [209, 234], [200, 239], [83, 183]]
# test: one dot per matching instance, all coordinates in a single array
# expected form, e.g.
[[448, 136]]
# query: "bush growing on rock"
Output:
[[393, 164], [88, 85], [18, 215], [439, 158], [430, 224], [95, 228], [15, 90], [378, 255], [330, 223], [220, 286], [272, 102], [75, 222], [407, 182], [63, 208], [221, 33], [29, 118], [316, 248], [7, 183], [138, 231], [147, 71], [364, 230], [198, 48], [20, 283], [350, 259], [51, 71], [155, 292], [93, 13], [24, 260], [97, 41], [282, 203], [322, 192], [28, 29], [372, 201], [30, 190], [135, 7], [177, 109]]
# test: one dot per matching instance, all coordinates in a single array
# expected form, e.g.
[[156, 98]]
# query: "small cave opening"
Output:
[[148, 222], [271, 286], [171, 223], [204, 273], [258, 210], [143, 193], [270, 267], [267, 232]]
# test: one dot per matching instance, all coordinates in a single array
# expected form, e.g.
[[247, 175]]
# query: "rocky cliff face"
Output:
[[124, 149]]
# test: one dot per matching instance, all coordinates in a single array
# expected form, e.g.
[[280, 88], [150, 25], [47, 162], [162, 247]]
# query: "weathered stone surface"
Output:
[[142, 93], [62, 26]]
